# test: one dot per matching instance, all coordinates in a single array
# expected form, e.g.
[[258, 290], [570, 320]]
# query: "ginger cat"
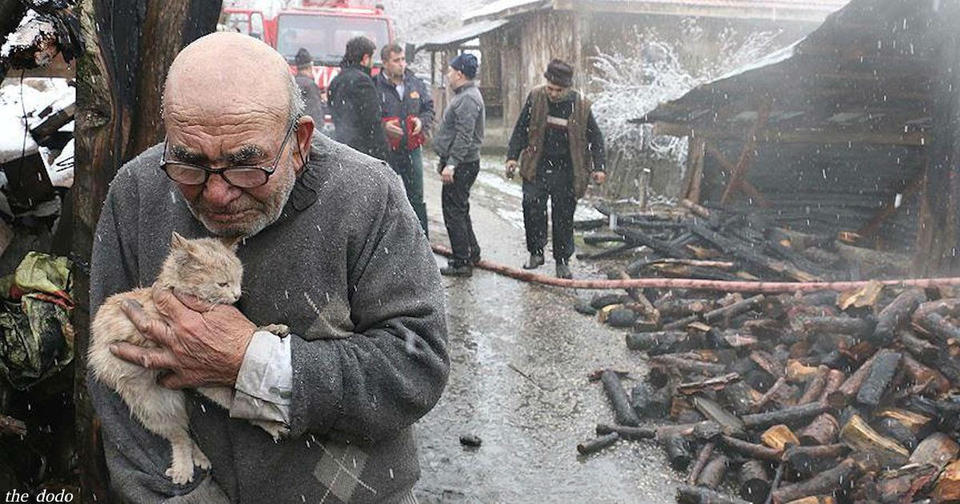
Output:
[[208, 269]]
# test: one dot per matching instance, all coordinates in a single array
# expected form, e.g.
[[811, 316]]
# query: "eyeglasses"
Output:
[[239, 176]]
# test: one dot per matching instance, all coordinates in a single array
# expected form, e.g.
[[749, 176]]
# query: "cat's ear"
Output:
[[232, 243], [177, 241]]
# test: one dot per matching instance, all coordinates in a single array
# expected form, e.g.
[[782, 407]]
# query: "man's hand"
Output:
[[201, 345], [393, 128], [511, 168], [417, 126], [447, 174], [598, 177]]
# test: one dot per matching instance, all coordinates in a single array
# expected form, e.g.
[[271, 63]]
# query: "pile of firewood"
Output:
[[820, 398], [691, 241]]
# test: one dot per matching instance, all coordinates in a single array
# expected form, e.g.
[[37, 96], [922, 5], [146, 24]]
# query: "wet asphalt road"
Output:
[[520, 357]]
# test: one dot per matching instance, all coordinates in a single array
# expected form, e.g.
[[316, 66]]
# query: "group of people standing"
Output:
[[387, 116], [556, 144]]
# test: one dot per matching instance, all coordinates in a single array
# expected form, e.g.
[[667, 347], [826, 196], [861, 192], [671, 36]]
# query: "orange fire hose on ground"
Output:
[[695, 283]]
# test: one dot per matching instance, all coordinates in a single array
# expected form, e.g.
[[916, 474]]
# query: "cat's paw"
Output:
[[181, 472], [280, 330], [199, 458]]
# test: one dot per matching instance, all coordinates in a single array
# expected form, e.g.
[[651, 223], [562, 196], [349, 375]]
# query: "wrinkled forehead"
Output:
[[224, 79]]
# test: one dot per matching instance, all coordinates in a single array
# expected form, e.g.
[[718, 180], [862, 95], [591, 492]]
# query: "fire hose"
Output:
[[696, 283]]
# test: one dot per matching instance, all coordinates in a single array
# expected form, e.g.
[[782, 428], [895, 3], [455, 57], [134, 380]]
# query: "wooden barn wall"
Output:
[[825, 188]]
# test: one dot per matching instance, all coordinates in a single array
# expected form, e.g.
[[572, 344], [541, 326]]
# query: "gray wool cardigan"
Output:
[[349, 270]]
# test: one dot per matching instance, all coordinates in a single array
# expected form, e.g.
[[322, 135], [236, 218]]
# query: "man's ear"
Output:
[[304, 132]]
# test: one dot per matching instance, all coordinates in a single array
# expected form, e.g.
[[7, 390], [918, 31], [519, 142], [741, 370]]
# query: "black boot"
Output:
[[462, 270], [563, 270], [535, 261]]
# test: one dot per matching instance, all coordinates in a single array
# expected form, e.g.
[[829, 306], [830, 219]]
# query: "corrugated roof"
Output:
[[462, 34], [801, 10]]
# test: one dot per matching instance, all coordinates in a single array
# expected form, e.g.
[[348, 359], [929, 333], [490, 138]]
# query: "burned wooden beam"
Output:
[[715, 383], [678, 452], [851, 386], [861, 437], [778, 437], [754, 481], [902, 484], [894, 314], [618, 399], [807, 460], [881, 373], [687, 494], [947, 488], [893, 429], [678, 308], [651, 402], [729, 423], [740, 397], [703, 456], [822, 430], [834, 380], [815, 386], [937, 450], [659, 342], [839, 325], [824, 483], [628, 433], [712, 474], [788, 416], [938, 326], [689, 365], [918, 347], [752, 450], [734, 309], [597, 444]]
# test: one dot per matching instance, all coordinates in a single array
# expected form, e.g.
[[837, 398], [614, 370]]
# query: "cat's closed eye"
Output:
[[222, 284]]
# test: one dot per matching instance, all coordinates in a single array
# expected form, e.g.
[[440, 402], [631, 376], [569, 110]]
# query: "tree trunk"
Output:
[[129, 45]]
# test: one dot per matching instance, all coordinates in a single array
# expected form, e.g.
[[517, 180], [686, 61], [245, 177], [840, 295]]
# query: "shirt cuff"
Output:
[[265, 382]]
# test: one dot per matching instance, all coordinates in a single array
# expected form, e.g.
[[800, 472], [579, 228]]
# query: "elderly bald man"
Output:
[[331, 248]]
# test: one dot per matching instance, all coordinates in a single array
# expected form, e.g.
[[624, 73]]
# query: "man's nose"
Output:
[[218, 191]]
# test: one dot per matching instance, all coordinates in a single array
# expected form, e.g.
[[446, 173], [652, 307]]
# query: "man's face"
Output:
[[395, 65], [223, 141], [554, 92], [367, 61], [454, 77]]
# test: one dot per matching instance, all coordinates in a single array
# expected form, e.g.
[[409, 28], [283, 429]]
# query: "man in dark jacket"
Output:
[[308, 86], [354, 103], [457, 142], [560, 149], [407, 118]]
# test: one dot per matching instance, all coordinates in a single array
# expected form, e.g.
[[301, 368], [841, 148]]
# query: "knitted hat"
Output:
[[465, 63], [559, 73], [303, 58]]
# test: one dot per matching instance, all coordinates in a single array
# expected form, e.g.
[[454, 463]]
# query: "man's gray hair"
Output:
[[297, 105]]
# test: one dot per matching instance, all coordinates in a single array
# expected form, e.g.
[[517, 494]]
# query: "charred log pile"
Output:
[[724, 244], [824, 397]]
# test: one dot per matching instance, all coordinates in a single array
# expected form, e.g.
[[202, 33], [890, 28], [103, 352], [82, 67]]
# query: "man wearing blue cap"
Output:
[[457, 142]]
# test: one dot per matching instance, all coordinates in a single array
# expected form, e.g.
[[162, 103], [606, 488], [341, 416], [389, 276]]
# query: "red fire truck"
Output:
[[322, 27]]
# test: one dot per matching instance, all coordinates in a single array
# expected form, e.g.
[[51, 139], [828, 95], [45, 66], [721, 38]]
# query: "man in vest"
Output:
[[559, 149]]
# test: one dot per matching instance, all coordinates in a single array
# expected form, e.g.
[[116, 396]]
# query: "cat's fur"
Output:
[[207, 269]]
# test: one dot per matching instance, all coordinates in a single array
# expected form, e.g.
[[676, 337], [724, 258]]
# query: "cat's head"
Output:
[[207, 268]]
